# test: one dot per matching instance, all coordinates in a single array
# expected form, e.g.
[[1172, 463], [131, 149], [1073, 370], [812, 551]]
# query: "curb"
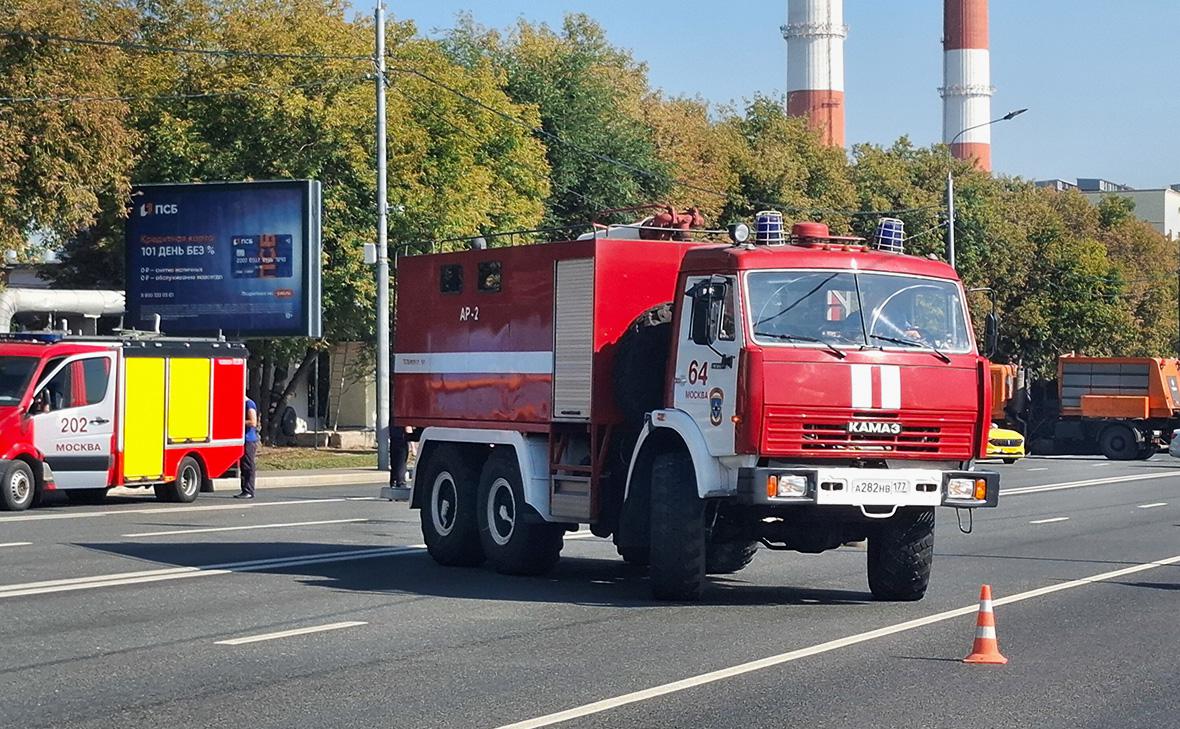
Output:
[[277, 480]]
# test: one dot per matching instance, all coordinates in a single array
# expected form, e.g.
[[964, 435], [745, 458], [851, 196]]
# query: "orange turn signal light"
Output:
[[980, 489], [771, 486]]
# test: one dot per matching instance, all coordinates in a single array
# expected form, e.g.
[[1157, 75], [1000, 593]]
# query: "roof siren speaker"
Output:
[[768, 227], [890, 236]]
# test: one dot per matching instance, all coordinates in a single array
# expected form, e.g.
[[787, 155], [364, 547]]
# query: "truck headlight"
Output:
[[785, 485], [966, 488]]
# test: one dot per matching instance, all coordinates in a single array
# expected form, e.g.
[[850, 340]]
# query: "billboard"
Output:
[[240, 258]]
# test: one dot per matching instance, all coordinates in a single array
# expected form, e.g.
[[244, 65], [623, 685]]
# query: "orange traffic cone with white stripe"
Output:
[[986, 648]]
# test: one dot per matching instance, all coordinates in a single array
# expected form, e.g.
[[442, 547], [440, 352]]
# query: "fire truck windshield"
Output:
[[857, 309], [14, 378]]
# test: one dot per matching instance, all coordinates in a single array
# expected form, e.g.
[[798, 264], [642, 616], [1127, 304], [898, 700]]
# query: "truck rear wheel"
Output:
[[18, 489], [514, 544], [729, 557], [901, 552], [449, 525], [187, 485], [677, 529], [1119, 443]]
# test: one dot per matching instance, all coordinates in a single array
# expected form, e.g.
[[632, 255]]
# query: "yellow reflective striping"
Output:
[[188, 400], [143, 418]]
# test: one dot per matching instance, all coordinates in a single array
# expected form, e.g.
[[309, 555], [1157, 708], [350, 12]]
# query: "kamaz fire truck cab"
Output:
[[694, 401]]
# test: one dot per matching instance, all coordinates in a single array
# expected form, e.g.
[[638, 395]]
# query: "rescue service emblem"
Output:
[[716, 400], [874, 427]]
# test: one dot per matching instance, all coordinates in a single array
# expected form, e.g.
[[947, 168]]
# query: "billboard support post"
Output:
[[383, 353]]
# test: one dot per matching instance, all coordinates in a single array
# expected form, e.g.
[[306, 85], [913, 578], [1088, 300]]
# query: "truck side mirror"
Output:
[[708, 298], [991, 334]]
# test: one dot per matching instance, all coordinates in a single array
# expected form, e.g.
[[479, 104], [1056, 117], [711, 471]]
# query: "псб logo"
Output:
[[148, 208]]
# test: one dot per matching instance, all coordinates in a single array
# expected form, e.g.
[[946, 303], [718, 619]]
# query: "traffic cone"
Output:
[[986, 648]]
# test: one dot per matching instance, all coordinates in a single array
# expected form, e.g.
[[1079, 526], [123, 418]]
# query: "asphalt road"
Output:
[[316, 607]]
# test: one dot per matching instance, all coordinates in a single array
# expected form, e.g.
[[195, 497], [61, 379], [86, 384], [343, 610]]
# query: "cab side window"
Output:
[[81, 382], [96, 376]]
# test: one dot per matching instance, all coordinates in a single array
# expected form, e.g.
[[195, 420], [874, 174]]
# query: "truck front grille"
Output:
[[930, 435]]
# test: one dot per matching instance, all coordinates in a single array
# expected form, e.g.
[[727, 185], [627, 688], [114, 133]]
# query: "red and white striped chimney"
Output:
[[967, 89], [815, 34]]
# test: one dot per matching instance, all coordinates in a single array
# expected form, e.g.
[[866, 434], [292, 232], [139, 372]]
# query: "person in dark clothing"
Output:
[[399, 452], [246, 466]]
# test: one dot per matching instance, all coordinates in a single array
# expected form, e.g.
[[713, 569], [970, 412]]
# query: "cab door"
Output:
[[708, 342], [74, 419]]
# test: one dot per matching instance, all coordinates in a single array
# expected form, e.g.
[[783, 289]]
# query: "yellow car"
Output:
[[1005, 444]]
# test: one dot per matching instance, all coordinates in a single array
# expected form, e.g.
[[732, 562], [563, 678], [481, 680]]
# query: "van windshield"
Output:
[[15, 373], [840, 308]]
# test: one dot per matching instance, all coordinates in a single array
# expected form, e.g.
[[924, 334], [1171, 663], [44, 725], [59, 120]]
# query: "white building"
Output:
[[1160, 207]]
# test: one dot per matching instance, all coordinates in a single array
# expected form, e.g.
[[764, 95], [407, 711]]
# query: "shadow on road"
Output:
[[575, 580]]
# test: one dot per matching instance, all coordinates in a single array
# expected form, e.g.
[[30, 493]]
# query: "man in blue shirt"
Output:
[[246, 466]]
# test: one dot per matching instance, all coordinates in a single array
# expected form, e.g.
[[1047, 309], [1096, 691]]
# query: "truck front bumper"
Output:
[[867, 487]]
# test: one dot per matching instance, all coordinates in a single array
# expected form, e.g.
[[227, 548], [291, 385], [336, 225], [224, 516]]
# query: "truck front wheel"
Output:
[[901, 551], [677, 529], [449, 525], [1119, 443], [18, 488], [729, 557], [513, 543]]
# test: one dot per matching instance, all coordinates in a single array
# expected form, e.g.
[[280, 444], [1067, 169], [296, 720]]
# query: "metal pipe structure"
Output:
[[383, 349], [815, 33], [967, 90], [84, 302]]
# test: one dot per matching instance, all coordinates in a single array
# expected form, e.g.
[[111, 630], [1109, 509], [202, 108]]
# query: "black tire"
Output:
[[901, 551], [633, 555], [729, 557], [677, 529], [1010, 461], [641, 359], [449, 525], [186, 487], [513, 544], [1147, 450], [86, 496], [1119, 443], [18, 490]]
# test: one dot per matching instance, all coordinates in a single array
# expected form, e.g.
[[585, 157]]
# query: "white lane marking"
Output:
[[291, 633], [598, 707], [1141, 506], [1099, 465], [172, 509], [1043, 468], [16, 544], [1088, 482], [179, 573], [202, 530], [1049, 521]]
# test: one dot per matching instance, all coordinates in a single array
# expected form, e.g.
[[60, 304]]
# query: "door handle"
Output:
[[99, 421]]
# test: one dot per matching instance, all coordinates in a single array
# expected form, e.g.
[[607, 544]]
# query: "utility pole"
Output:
[[383, 354], [950, 182]]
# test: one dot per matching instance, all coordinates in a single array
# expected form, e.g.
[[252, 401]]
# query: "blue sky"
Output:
[[1099, 77]]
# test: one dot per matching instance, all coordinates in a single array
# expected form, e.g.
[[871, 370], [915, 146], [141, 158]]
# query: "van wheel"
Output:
[[514, 544], [187, 485], [18, 488], [677, 529], [449, 525]]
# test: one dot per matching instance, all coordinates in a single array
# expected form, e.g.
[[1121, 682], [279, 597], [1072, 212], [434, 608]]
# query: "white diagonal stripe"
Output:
[[290, 633]]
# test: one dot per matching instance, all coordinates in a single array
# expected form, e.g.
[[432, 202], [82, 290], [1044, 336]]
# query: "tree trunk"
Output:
[[280, 403]]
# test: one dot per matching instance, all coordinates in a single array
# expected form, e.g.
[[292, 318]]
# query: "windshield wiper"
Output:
[[798, 338], [911, 343]]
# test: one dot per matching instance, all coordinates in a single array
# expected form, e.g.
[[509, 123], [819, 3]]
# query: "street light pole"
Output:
[[950, 182], [382, 255]]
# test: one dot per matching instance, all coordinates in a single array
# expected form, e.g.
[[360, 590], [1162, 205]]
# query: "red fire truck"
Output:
[[85, 415], [693, 400]]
